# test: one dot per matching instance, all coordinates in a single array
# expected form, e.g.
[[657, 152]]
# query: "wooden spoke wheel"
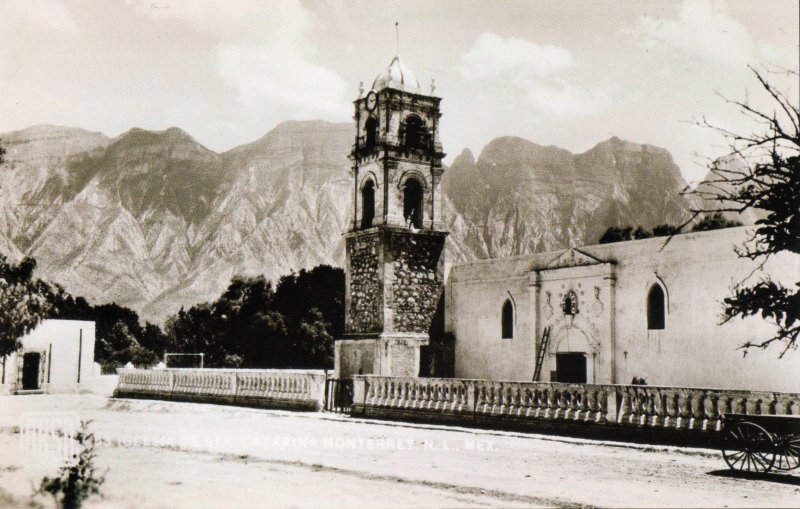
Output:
[[787, 452], [749, 448]]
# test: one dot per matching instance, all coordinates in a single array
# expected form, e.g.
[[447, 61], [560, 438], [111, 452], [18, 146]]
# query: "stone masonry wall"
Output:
[[364, 312], [417, 282]]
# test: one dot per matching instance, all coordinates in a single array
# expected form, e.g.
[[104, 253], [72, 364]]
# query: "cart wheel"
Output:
[[749, 448], [787, 452]]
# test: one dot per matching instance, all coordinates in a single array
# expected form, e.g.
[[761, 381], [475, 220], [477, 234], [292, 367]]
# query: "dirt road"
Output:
[[161, 454]]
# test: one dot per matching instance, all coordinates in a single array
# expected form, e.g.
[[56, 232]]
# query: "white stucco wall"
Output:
[[68, 355], [698, 270]]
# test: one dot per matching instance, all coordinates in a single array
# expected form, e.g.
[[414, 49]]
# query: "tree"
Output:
[[715, 221], [313, 342], [664, 230], [254, 326], [23, 302], [616, 234], [761, 171], [620, 234]]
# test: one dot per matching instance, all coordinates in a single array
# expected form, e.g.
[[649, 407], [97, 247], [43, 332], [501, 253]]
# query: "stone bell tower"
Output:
[[395, 263]]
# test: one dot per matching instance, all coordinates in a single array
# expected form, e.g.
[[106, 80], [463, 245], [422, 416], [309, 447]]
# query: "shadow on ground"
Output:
[[789, 479]]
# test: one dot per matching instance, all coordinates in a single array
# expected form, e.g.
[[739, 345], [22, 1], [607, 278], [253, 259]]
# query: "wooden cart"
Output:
[[760, 443]]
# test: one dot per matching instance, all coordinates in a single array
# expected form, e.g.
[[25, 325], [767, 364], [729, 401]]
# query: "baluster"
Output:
[[711, 417], [693, 403], [557, 395], [590, 403], [504, 403], [624, 406], [480, 397], [566, 402], [549, 401], [384, 387], [683, 409], [427, 396], [656, 407], [496, 397], [517, 396], [402, 393], [411, 394], [602, 405], [543, 400], [527, 400]]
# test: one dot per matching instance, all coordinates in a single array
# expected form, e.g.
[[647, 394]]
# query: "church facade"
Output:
[[643, 311]]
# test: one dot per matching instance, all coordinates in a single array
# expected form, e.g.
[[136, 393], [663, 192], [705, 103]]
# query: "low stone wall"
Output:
[[280, 389], [584, 409]]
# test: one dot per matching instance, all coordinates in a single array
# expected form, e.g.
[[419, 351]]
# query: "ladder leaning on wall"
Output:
[[541, 353]]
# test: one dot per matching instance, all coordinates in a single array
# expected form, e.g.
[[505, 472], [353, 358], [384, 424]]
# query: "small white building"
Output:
[[57, 356]]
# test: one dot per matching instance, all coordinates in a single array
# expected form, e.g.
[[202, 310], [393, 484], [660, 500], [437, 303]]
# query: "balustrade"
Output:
[[225, 385], [680, 408], [437, 394]]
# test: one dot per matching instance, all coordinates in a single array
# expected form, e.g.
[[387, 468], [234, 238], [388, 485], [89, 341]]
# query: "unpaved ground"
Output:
[[161, 454]]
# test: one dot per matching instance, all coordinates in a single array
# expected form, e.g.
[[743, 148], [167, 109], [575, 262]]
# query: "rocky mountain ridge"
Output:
[[154, 220]]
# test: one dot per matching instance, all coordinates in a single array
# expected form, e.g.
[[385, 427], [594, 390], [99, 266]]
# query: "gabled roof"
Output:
[[572, 257]]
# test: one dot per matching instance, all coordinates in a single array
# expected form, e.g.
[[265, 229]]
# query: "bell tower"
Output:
[[395, 265]]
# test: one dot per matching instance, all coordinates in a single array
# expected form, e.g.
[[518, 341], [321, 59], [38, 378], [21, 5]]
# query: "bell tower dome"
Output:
[[395, 264], [397, 143]]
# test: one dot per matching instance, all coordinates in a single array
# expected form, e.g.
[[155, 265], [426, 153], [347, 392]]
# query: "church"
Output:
[[644, 311]]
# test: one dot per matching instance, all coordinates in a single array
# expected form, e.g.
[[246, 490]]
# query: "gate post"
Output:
[[612, 403], [359, 394]]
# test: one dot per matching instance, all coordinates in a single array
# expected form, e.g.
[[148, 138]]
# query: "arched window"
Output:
[[508, 320], [412, 202], [656, 308], [367, 204], [371, 133], [415, 135]]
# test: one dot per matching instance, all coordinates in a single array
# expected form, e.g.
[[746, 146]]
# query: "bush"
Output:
[[76, 481], [715, 221]]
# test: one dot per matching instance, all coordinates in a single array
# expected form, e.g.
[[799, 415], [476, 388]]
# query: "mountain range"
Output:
[[155, 221]]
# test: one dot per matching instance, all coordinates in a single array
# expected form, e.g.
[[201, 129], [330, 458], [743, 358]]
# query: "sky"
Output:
[[564, 73]]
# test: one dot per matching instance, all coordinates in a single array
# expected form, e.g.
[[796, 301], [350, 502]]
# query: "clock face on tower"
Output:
[[372, 100]]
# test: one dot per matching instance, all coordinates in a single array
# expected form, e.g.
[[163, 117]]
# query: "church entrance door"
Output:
[[30, 371], [571, 367]]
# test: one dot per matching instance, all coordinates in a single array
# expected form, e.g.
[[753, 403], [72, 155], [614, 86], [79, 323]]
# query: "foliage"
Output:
[[715, 221], [761, 171], [78, 480], [253, 325], [2, 152], [664, 230], [23, 302], [321, 288], [621, 234], [249, 325], [197, 331], [616, 234], [120, 335], [233, 361]]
